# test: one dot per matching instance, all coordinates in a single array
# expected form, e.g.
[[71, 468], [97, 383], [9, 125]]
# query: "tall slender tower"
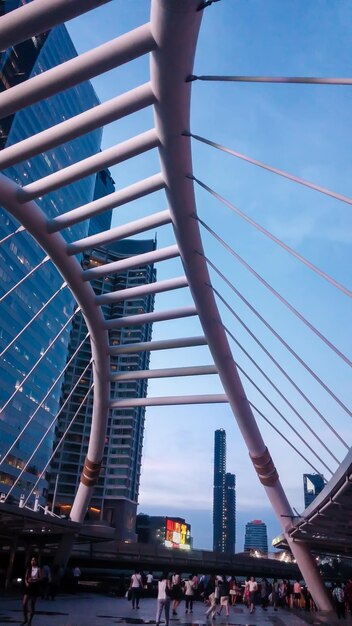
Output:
[[224, 501], [219, 490]]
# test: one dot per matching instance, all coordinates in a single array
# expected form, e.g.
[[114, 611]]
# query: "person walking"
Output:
[[176, 591], [210, 597], [150, 580], [339, 600], [253, 588], [32, 582], [189, 593], [163, 599], [136, 586], [264, 593], [224, 589]]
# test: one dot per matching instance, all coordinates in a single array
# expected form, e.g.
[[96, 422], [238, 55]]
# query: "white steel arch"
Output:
[[171, 39]]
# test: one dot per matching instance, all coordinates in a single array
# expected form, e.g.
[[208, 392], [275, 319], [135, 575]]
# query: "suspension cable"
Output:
[[20, 229], [20, 282], [59, 443], [63, 286], [282, 416], [268, 379], [276, 294], [42, 356], [43, 400], [43, 437], [282, 341], [284, 438], [281, 369], [274, 170], [307, 80], [278, 241]]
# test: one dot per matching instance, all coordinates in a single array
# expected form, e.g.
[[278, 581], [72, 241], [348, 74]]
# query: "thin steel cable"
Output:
[[311, 430], [284, 438], [274, 170], [63, 286], [282, 341], [276, 240], [57, 379], [59, 444], [276, 294], [282, 416], [281, 369], [42, 402], [306, 80], [20, 282], [42, 356], [41, 441], [20, 229]]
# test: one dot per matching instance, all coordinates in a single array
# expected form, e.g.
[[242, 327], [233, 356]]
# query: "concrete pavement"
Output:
[[84, 609]]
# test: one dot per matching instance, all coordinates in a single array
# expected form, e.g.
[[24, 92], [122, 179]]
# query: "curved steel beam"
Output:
[[55, 246], [175, 29]]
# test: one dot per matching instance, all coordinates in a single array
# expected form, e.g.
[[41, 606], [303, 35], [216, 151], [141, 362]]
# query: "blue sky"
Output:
[[303, 129]]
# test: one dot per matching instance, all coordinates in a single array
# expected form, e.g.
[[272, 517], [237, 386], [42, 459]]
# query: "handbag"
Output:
[[128, 594]]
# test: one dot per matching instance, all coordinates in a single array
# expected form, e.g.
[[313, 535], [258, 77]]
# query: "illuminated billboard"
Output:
[[177, 534]]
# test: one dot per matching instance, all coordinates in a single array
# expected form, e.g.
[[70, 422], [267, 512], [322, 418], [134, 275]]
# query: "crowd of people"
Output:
[[219, 593]]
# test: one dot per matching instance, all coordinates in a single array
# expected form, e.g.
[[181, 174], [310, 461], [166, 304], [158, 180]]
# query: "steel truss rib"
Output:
[[149, 318], [170, 372], [111, 201], [38, 16], [142, 290], [140, 260], [104, 113], [97, 61], [173, 31], [123, 403], [163, 344]]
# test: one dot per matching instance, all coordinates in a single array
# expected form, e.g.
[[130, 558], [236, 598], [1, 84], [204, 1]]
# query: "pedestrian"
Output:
[[253, 588], [224, 589], [136, 586], [32, 582], [189, 593], [55, 581], [176, 591], [163, 599], [46, 580], [150, 580], [339, 600], [210, 597], [264, 593], [297, 594], [275, 594], [76, 575], [246, 592], [348, 594]]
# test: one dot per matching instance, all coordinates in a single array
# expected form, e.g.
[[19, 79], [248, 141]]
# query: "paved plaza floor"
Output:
[[97, 610]]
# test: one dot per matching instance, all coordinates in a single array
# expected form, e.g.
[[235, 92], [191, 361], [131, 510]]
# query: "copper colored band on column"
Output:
[[265, 468], [90, 473]]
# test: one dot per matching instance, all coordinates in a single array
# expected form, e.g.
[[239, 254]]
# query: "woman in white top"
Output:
[[253, 588], [163, 600], [136, 586], [189, 593], [32, 581]]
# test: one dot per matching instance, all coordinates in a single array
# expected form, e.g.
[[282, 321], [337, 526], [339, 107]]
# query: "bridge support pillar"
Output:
[[64, 550], [312, 577]]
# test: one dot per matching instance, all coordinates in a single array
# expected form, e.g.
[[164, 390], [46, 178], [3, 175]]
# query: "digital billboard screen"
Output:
[[177, 534]]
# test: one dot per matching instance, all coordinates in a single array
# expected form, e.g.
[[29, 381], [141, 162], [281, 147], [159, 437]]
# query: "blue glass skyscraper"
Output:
[[20, 254], [312, 485]]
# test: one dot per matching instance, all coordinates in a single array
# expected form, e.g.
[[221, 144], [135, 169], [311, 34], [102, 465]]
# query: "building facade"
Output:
[[115, 496], [172, 532], [256, 537], [312, 485], [224, 499], [45, 341]]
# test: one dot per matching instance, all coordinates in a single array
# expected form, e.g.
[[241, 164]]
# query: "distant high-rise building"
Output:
[[116, 494], [256, 537], [20, 253], [312, 485], [224, 499]]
